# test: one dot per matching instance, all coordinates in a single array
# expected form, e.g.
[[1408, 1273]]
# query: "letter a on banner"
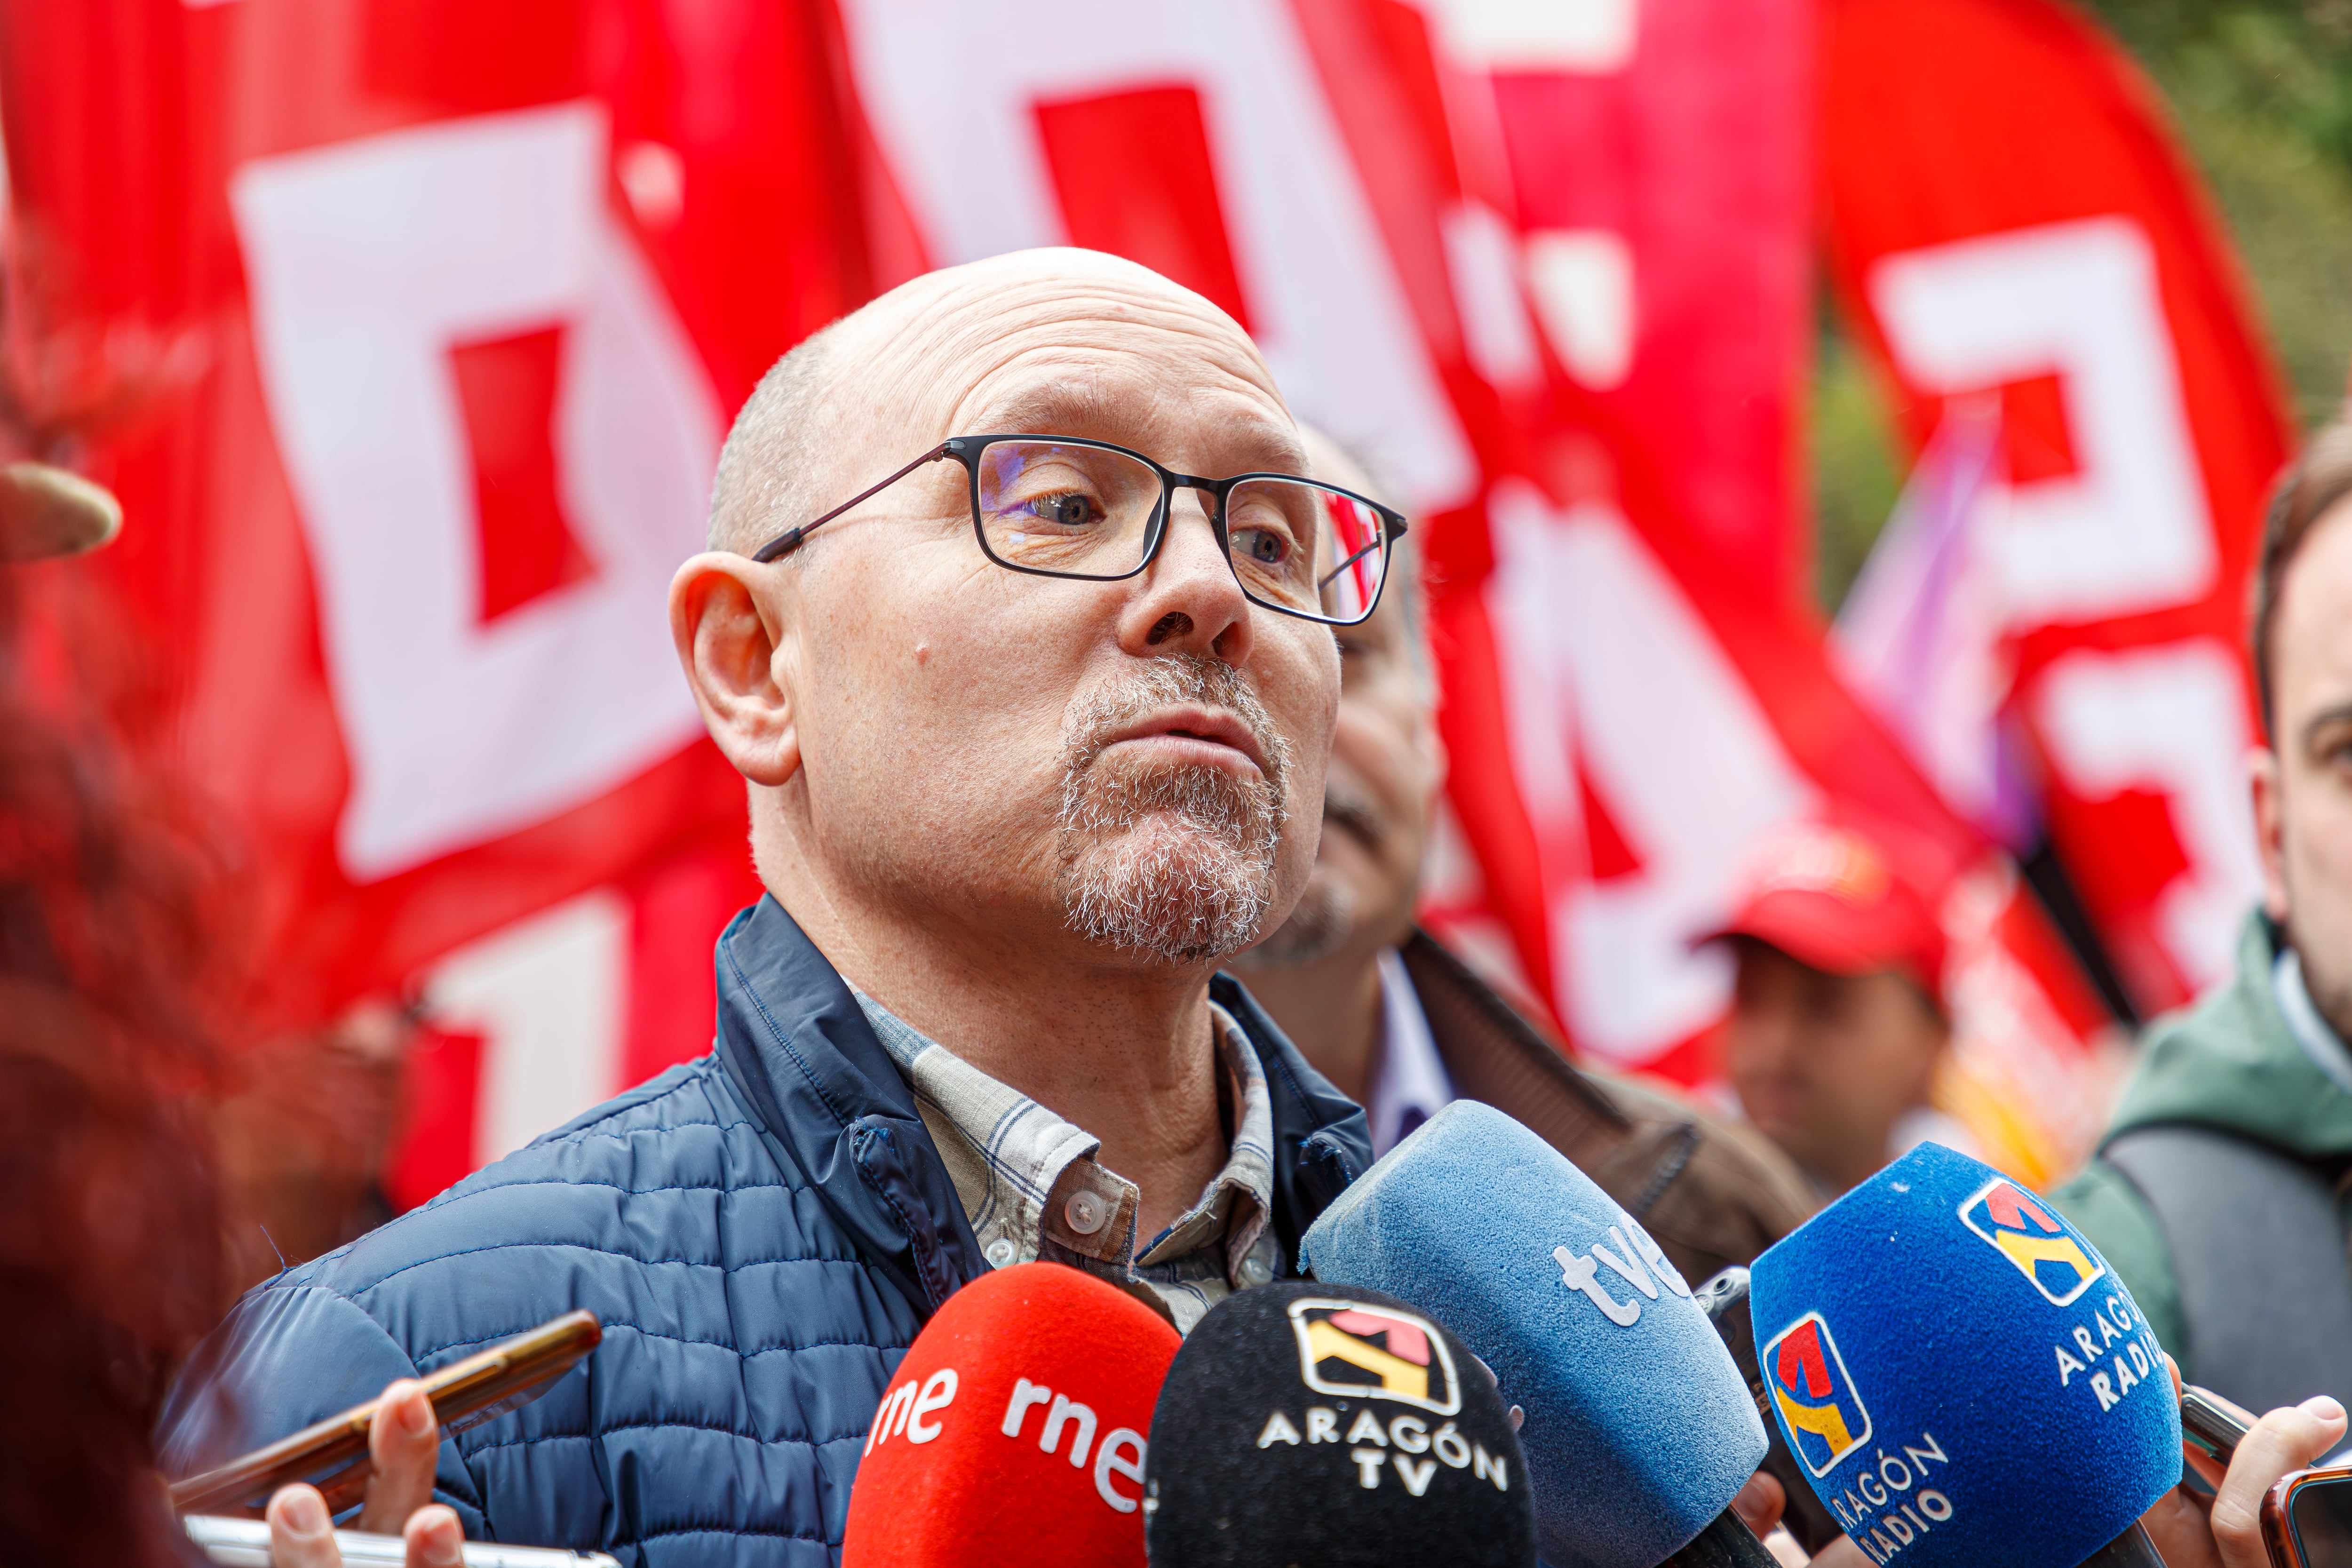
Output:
[[2010, 228]]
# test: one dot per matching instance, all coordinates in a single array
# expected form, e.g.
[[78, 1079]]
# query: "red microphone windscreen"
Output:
[[1013, 1430]]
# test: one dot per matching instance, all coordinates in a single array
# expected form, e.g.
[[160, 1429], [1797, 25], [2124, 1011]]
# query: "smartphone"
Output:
[[507, 1376], [245, 1543], [2307, 1518], [2210, 1422]]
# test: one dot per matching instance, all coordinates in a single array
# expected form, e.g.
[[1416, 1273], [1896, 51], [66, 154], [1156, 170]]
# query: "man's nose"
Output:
[[1188, 600]]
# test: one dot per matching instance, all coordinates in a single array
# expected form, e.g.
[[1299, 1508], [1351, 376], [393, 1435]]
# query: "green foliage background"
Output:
[[2261, 93]]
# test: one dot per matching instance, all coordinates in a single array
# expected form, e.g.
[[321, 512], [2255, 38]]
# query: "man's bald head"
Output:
[[765, 470], [894, 374]]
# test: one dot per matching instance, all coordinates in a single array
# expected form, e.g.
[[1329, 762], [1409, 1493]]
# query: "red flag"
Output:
[[433, 313], [471, 304], [2013, 229], [1653, 157]]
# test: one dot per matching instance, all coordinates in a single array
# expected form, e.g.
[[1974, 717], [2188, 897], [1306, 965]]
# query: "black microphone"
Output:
[[1723, 1299], [1306, 1423]]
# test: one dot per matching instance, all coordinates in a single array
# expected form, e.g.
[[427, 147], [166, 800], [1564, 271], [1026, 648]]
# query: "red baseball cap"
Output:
[[1843, 900]]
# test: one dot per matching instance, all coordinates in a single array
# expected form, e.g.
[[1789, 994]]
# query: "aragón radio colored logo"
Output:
[[1815, 1395], [1374, 1352], [2029, 1233]]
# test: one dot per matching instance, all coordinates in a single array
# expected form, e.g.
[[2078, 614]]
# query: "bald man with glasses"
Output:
[[1018, 622]]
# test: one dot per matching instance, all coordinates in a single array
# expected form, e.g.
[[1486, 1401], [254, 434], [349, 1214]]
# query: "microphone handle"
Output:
[[1727, 1543], [2132, 1549]]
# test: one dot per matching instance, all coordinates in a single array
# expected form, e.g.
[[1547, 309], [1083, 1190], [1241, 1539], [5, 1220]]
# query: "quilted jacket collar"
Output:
[[833, 1106]]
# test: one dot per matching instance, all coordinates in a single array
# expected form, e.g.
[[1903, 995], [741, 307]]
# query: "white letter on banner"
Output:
[[368, 261], [2170, 721], [2130, 529], [1607, 666], [952, 87]]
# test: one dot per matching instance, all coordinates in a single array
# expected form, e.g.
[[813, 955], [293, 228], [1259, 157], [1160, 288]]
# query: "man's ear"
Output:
[[2269, 828], [725, 616], [1435, 760]]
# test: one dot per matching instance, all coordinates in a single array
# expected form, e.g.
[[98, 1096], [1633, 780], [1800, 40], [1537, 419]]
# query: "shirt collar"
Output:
[[2319, 1041], [1028, 1179], [1409, 1086]]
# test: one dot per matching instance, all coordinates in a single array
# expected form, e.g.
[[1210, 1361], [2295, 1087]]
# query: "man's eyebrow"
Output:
[[2335, 713], [1056, 408]]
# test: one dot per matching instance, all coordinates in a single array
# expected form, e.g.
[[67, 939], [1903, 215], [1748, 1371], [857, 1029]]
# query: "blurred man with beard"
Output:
[[1398, 1022], [1017, 621]]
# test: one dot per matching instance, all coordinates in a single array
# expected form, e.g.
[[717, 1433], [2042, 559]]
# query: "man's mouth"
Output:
[[1200, 736], [1352, 813]]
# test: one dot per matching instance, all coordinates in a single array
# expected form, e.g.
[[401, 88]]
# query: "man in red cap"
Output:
[[1837, 1026]]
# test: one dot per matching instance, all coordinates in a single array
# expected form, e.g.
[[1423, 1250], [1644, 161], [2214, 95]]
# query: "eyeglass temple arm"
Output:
[[785, 544], [1392, 529]]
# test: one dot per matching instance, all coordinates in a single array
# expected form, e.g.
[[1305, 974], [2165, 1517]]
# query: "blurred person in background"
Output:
[[2219, 1194], [110, 1237], [111, 1008], [1838, 1030], [301, 1132], [1402, 1026]]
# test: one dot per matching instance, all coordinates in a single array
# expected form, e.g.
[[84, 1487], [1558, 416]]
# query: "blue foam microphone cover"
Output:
[[1961, 1376], [1638, 1426]]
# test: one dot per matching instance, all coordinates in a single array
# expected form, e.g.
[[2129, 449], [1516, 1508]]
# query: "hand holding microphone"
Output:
[[1640, 1429], [1013, 1430]]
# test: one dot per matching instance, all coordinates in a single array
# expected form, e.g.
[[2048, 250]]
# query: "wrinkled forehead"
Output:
[[1117, 355]]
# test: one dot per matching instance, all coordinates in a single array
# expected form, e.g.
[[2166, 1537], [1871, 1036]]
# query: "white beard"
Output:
[[1176, 863]]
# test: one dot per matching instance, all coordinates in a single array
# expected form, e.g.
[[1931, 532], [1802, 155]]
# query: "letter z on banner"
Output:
[[2090, 295]]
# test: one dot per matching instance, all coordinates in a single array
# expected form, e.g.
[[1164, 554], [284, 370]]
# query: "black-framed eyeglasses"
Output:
[[1060, 505]]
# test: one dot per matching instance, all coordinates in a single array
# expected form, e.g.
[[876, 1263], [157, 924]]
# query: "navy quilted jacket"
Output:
[[761, 1232]]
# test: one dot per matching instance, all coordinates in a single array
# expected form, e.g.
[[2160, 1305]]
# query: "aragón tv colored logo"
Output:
[[1374, 1352], [1815, 1395], [2029, 1234]]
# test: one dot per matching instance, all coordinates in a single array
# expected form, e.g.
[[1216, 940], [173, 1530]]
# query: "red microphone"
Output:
[[1013, 1430]]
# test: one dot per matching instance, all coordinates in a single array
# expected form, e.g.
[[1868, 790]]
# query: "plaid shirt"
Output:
[[1033, 1189]]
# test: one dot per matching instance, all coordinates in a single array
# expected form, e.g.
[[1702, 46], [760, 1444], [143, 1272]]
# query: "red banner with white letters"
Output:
[[416, 325], [2027, 253], [425, 319]]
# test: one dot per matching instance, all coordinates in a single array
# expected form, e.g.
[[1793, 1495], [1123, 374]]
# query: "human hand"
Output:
[[2225, 1530], [403, 1441], [1761, 1503]]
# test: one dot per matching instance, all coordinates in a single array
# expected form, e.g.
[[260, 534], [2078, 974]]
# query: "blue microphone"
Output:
[[1639, 1426], [1962, 1377]]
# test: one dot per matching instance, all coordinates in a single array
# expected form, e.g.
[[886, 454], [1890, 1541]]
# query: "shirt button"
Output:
[[1002, 1252], [1254, 1270], [1086, 1211]]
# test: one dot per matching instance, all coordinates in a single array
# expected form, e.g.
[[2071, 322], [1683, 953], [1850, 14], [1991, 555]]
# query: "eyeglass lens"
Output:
[[1084, 511]]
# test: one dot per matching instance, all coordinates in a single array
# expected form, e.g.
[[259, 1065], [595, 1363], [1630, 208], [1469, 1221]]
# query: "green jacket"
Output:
[[2229, 1063]]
